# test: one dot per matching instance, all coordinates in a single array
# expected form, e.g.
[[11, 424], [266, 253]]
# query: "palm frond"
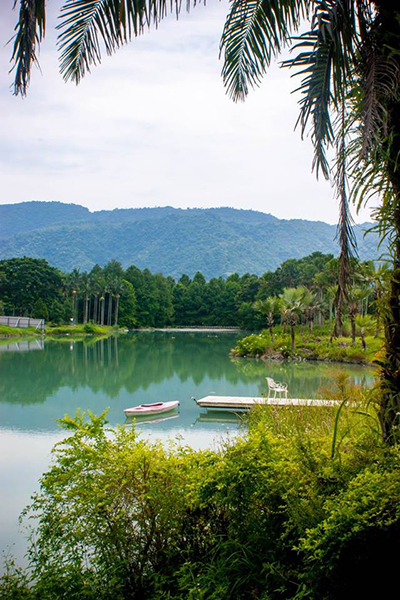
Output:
[[379, 79], [88, 23], [254, 32], [30, 31], [326, 64], [344, 233]]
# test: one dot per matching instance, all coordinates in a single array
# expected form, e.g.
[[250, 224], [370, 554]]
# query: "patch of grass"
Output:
[[18, 332], [79, 330]]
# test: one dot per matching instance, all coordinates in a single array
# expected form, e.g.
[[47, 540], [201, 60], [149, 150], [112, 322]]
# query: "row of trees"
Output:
[[110, 295]]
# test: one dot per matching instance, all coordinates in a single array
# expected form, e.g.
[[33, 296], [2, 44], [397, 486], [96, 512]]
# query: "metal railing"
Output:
[[22, 322]]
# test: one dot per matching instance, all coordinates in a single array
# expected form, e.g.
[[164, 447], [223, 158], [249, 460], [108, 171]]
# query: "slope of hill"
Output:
[[216, 241], [28, 216]]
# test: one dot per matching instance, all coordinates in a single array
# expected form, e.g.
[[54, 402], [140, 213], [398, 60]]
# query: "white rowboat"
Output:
[[155, 408]]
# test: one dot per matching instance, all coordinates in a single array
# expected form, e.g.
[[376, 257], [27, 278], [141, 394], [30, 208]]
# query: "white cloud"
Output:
[[152, 126]]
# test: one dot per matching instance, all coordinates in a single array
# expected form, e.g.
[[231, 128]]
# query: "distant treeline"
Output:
[[134, 298]]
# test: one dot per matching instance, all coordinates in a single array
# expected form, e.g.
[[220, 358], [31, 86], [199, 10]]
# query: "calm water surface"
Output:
[[41, 381]]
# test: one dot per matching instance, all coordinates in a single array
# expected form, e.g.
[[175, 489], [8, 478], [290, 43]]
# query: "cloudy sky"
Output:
[[152, 126]]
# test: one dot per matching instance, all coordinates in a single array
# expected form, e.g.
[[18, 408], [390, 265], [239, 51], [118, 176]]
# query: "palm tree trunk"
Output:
[[362, 335], [353, 328], [116, 309], [95, 305], [292, 333], [378, 298], [389, 411], [85, 309], [338, 327], [102, 301], [109, 309], [271, 327]]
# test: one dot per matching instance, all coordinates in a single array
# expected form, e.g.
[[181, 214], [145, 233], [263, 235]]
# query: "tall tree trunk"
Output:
[[378, 298], [116, 309], [85, 309], [102, 301], [271, 328], [338, 327], [390, 375], [353, 328], [389, 410], [292, 333], [95, 309], [109, 312]]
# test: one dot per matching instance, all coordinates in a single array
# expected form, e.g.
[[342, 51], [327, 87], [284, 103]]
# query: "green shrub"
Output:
[[276, 515], [90, 328], [251, 345]]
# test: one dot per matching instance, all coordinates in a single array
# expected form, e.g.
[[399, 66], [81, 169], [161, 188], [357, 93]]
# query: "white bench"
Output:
[[276, 387]]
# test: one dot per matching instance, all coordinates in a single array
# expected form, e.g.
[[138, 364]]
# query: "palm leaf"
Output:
[[379, 78], [254, 32], [30, 31], [88, 23], [325, 62]]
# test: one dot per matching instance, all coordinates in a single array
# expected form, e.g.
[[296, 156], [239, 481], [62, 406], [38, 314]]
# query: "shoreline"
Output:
[[190, 329]]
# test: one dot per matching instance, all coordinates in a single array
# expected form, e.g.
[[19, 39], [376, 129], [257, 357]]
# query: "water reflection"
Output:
[[36, 388], [23, 346]]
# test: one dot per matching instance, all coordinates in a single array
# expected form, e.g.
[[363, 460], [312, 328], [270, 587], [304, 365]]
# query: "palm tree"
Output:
[[364, 323], [74, 284], [331, 292], [268, 307], [349, 66], [96, 286], [355, 300], [377, 277], [86, 291], [292, 305]]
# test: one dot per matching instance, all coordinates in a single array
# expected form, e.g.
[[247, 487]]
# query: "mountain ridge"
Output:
[[215, 241]]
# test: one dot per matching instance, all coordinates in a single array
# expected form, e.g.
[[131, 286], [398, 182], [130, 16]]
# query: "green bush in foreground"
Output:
[[288, 511]]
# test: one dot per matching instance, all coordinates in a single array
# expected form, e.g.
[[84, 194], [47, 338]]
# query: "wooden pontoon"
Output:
[[240, 402]]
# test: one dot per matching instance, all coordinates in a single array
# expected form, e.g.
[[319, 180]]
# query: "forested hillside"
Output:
[[216, 242]]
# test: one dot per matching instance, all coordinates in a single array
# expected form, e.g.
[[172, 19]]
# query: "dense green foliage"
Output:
[[134, 298], [316, 347], [217, 241], [286, 512], [25, 282]]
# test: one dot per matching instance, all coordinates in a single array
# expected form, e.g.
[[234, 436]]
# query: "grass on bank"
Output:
[[17, 332], [318, 346], [301, 506], [80, 329], [57, 330]]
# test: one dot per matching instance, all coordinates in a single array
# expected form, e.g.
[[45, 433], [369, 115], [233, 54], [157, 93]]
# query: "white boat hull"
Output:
[[155, 408]]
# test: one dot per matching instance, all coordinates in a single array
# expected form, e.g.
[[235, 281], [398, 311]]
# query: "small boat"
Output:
[[151, 409]]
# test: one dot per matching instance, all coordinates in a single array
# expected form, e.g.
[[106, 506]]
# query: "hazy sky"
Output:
[[152, 126]]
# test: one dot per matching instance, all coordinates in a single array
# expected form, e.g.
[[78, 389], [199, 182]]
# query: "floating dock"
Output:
[[240, 402]]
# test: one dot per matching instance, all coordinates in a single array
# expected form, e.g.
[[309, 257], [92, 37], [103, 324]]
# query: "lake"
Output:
[[42, 380]]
